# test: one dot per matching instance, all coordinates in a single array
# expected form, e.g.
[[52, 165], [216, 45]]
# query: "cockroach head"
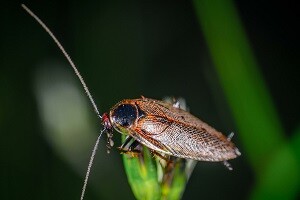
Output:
[[106, 123]]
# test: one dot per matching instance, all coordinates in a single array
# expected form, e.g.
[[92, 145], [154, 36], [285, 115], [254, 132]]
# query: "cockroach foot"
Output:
[[176, 103], [230, 136], [131, 153], [227, 164]]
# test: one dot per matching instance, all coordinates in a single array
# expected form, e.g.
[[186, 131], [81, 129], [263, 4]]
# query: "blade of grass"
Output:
[[142, 175], [248, 97], [275, 161]]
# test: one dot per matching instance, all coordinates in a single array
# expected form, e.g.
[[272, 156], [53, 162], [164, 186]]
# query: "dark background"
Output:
[[125, 49]]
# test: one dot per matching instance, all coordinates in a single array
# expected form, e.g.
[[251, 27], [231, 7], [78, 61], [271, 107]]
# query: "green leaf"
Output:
[[142, 175]]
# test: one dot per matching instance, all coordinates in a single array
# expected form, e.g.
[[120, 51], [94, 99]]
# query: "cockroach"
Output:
[[169, 130], [163, 127]]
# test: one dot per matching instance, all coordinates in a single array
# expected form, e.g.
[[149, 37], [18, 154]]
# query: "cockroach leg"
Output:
[[133, 154], [134, 146], [133, 149], [237, 151], [126, 142], [165, 158], [110, 142], [176, 103], [230, 136], [227, 164], [127, 146]]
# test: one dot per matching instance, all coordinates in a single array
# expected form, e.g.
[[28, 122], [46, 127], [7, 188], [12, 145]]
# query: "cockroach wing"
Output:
[[178, 133]]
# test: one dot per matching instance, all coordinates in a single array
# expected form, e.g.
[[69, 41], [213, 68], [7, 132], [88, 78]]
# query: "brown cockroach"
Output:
[[169, 130], [162, 127]]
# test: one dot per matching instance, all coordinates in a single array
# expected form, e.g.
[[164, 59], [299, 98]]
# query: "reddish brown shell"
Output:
[[175, 132]]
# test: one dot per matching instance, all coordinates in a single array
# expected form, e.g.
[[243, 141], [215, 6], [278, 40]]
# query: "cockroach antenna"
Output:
[[84, 87]]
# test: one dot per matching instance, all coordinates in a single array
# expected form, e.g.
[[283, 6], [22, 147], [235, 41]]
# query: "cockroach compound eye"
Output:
[[162, 127], [124, 115]]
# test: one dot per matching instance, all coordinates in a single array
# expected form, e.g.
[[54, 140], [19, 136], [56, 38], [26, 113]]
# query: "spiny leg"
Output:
[[176, 103], [179, 103], [230, 136], [155, 153], [110, 142], [133, 149], [126, 142], [228, 165]]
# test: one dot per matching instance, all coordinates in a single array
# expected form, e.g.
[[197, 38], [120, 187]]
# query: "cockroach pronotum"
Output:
[[162, 127]]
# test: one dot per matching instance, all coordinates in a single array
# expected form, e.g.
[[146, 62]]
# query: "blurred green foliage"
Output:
[[275, 163]]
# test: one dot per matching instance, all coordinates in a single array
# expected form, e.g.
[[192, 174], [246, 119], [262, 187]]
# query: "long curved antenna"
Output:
[[90, 165], [66, 55], [84, 87]]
